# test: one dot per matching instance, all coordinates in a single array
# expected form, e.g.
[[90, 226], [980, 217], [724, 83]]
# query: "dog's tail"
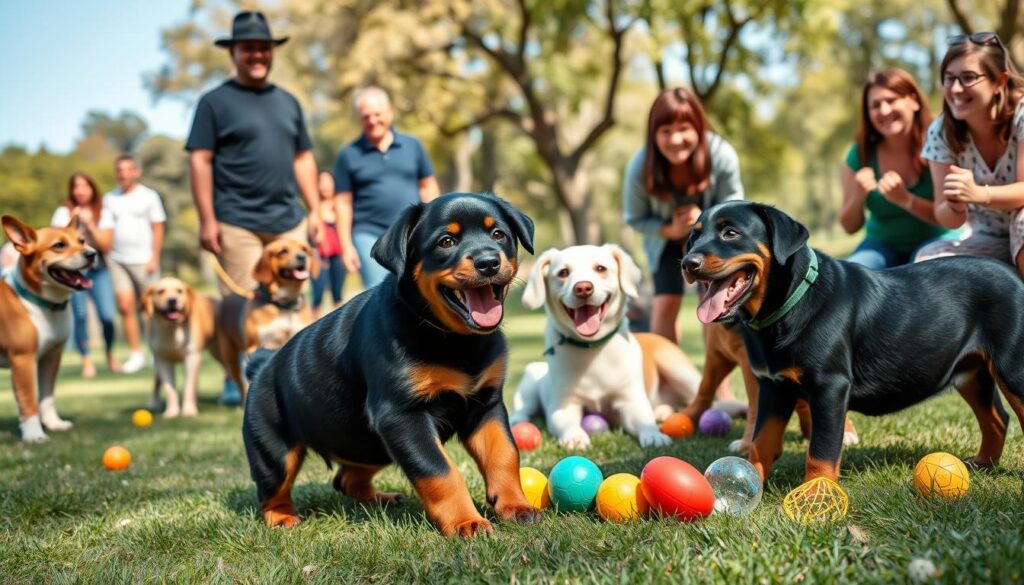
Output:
[[676, 373], [526, 401], [228, 281]]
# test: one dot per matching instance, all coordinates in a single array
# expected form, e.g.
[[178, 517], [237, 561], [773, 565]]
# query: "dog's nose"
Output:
[[487, 265], [90, 256], [300, 256], [583, 289], [693, 262], [172, 303]]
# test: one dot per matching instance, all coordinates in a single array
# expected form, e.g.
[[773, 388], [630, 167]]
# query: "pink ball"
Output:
[[527, 436], [715, 423], [594, 423], [677, 489]]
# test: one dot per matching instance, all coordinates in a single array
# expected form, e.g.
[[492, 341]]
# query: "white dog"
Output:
[[594, 362]]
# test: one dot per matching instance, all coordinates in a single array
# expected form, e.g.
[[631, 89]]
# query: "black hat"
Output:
[[249, 26]]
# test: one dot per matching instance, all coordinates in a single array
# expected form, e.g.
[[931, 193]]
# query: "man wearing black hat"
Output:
[[250, 158]]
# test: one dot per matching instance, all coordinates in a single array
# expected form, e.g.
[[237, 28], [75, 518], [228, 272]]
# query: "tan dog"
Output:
[[181, 326], [277, 310], [35, 320]]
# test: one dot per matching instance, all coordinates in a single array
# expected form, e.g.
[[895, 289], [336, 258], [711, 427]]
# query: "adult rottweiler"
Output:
[[398, 370], [841, 336]]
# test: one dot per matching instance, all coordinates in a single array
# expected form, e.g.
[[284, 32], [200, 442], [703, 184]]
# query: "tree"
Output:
[[1004, 18], [124, 132]]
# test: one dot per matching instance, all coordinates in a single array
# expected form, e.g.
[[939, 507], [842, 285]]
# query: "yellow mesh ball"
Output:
[[943, 475], [818, 500]]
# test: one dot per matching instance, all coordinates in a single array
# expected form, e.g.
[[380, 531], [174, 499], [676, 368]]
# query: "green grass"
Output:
[[185, 510]]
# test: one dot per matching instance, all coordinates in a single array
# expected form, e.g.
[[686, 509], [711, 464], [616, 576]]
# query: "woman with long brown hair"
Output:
[[683, 168], [96, 225], [886, 177], [975, 150]]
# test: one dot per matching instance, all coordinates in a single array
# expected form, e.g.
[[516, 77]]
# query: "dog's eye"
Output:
[[563, 273], [730, 234], [282, 253], [446, 242], [498, 236], [59, 245], [600, 268], [81, 241]]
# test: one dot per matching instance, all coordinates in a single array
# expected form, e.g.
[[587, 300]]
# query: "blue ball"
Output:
[[573, 484]]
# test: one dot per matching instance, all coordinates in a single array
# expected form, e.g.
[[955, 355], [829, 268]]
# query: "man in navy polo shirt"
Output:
[[376, 178]]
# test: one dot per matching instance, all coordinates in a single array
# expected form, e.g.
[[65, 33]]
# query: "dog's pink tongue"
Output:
[[712, 303], [587, 320], [300, 274], [483, 307]]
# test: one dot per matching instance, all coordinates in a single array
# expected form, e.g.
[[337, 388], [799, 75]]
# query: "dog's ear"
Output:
[[263, 272], [147, 300], [786, 235], [629, 272], [521, 223], [314, 261], [73, 222], [536, 290], [391, 250], [20, 234]]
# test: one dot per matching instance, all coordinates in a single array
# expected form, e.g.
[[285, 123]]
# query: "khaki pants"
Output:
[[240, 250]]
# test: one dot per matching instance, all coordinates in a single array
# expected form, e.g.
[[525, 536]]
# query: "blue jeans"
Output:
[[371, 272], [334, 272], [102, 294], [878, 255]]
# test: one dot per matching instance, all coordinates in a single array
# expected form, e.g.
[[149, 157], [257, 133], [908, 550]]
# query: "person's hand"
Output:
[[865, 179], [960, 187], [85, 216], [209, 236], [892, 188], [152, 265], [350, 258], [316, 228], [683, 218]]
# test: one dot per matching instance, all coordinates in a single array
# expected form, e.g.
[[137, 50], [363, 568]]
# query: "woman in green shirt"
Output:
[[886, 176]]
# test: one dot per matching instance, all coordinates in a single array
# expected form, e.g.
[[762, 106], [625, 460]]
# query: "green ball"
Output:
[[573, 484]]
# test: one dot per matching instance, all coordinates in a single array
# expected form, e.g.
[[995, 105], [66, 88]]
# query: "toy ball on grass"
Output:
[[676, 488], [677, 425], [737, 485], [535, 487], [818, 500], [942, 475], [142, 418], [715, 423], [594, 423], [573, 484], [116, 458], [620, 498], [527, 436]]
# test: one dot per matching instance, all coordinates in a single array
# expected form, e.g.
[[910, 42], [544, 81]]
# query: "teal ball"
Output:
[[573, 484]]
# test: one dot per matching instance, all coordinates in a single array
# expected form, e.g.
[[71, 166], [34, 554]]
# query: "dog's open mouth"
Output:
[[297, 274], [724, 295], [587, 319], [73, 279], [172, 315], [482, 305]]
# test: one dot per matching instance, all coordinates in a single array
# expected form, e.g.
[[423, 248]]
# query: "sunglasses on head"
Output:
[[978, 38]]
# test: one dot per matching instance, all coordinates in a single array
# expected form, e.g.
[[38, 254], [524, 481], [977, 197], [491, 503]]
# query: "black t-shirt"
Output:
[[254, 135]]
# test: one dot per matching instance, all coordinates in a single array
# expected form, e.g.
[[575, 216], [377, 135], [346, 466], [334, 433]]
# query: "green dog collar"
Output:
[[809, 277], [583, 344]]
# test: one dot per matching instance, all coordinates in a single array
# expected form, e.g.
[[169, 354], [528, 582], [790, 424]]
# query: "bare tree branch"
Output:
[[960, 16], [524, 27], [483, 117]]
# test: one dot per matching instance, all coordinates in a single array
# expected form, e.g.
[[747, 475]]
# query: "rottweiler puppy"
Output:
[[841, 336], [394, 373]]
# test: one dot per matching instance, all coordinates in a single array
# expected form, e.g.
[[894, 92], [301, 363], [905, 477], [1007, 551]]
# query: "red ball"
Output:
[[526, 435], [677, 489]]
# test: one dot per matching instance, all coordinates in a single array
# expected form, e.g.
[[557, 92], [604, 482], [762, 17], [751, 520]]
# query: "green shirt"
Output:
[[892, 224]]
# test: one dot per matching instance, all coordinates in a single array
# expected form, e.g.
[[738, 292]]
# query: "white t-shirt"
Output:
[[62, 216], [985, 220], [133, 215]]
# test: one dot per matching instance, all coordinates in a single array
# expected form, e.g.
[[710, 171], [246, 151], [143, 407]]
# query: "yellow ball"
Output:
[[619, 498], [818, 500], [943, 475], [142, 418], [535, 487]]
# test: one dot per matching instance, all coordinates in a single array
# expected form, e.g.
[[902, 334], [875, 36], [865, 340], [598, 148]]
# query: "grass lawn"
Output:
[[185, 510]]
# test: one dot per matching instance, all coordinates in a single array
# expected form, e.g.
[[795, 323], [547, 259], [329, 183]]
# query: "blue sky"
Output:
[[60, 59]]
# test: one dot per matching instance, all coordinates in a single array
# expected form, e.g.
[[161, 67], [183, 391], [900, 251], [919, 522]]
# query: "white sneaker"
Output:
[[134, 363]]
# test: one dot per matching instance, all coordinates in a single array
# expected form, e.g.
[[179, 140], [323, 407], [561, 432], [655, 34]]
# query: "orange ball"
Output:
[[527, 436], [116, 458], [677, 425]]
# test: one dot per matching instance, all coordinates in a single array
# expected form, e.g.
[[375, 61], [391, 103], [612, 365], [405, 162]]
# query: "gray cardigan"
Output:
[[646, 214]]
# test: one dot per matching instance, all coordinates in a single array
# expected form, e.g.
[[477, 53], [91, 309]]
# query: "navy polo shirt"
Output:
[[382, 184]]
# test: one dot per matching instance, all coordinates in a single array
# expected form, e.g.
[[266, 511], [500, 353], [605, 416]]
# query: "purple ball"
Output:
[[594, 423], [715, 423]]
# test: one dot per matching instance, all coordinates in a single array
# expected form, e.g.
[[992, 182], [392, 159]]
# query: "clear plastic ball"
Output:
[[737, 485]]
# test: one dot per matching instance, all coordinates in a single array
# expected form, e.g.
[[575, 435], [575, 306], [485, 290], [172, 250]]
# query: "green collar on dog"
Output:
[[563, 340], [263, 294], [808, 280], [36, 299]]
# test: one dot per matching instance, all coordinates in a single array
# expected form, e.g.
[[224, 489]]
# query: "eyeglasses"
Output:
[[966, 79]]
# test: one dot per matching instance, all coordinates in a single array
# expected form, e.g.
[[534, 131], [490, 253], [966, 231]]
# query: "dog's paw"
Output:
[[850, 438], [663, 411], [575, 439], [280, 519], [56, 423], [521, 514], [654, 438], [470, 528]]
